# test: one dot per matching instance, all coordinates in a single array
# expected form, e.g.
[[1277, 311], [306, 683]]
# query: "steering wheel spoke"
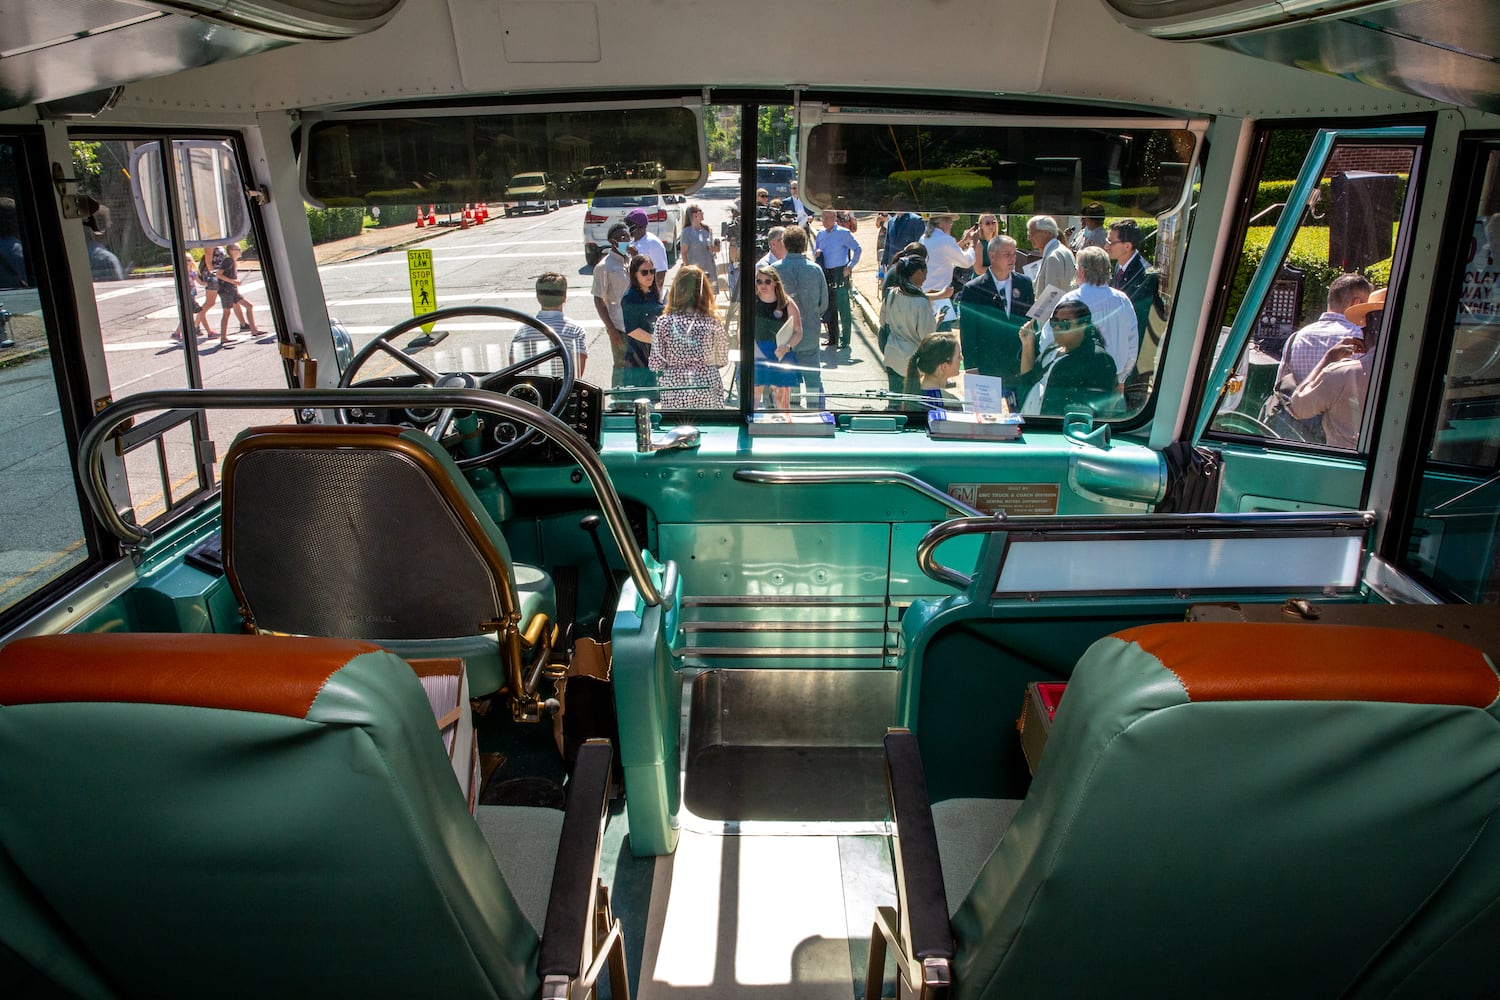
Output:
[[555, 350], [525, 364]]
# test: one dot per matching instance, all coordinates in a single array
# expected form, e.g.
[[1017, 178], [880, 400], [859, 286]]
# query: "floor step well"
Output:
[[789, 745]]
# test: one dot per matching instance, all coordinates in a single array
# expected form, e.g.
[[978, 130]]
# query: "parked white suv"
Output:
[[614, 199]]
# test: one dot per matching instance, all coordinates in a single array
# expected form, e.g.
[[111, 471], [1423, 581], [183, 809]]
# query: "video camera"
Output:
[[766, 218]]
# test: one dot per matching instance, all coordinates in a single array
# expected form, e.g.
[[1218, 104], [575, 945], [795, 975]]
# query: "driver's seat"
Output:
[[371, 532]]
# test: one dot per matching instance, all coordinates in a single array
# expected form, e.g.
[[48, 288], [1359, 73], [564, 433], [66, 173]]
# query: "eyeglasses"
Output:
[[1109, 242], [646, 270], [765, 281]]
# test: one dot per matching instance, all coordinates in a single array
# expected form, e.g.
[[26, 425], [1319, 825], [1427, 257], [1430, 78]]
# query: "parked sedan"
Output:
[[533, 192]]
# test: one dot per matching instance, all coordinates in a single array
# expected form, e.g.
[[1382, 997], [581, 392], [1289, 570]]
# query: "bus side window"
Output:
[[199, 318], [1454, 538], [41, 528]]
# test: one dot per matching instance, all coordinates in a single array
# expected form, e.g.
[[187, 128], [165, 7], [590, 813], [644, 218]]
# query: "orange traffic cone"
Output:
[[467, 218], [420, 223], [432, 215], [483, 215]]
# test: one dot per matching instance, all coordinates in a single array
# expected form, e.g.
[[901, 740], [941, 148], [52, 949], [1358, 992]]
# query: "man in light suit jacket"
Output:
[[1059, 267], [994, 307]]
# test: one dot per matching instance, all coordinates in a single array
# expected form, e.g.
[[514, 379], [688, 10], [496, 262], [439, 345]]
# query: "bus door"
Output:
[[1304, 352], [1450, 518]]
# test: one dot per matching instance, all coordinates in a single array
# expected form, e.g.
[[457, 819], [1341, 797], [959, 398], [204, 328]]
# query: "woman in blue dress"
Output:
[[774, 309]]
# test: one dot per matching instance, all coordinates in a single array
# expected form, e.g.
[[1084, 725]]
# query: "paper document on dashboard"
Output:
[[985, 393]]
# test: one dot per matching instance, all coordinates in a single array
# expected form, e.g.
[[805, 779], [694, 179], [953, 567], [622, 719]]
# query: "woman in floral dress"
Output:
[[689, 346]]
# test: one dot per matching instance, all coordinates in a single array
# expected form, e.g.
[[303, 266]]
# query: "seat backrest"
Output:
[[230, 815], [1246, 810], [362, 532]]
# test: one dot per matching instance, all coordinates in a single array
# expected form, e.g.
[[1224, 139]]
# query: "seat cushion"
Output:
[[524, 841], [967, 832]]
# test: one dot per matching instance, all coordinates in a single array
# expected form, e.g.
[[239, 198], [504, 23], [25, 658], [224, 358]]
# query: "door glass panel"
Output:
[[200, 321], [1306, 373], [1455, 536], [41, 530]]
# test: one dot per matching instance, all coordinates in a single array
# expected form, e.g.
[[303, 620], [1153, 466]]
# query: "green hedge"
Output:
[[1310, 255], [1277, 192], [329, 224], [397, 215]]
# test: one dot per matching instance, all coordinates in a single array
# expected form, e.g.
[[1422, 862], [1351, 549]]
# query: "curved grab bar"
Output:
[[1129, 526], [91, 469], [940, 533], [782, 477]]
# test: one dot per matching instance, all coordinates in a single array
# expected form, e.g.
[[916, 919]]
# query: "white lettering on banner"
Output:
[[1478, 302]]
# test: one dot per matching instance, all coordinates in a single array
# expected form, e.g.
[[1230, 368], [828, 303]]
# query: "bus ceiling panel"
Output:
[[1445, 50], [62, 48]]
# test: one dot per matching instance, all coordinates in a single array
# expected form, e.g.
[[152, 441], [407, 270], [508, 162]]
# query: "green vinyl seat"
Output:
[[1225, 810], [371, 532], [259, 816]]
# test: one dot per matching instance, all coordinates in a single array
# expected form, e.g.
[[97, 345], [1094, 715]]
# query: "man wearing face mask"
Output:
[[611, 282]]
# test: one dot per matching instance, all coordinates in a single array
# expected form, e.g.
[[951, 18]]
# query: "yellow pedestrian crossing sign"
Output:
[[423, 289]]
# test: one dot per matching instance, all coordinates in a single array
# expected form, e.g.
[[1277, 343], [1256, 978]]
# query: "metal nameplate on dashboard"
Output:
[[1014, 499]]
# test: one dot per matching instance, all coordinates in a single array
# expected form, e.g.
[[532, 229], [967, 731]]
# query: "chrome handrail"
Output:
[[1130, 526], [91, 466], [862, 477]]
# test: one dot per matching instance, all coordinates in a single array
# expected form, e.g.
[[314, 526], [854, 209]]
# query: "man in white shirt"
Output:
[[611, 282], [794, 202], [647, 243], [944, 253], [1112, 311]]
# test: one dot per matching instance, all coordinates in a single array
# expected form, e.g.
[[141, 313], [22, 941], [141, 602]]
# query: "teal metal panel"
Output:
[[648, 700], [822, 560], [909, 582]]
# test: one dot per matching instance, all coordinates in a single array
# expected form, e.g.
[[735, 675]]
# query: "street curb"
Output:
[[11, 359], [401, 245], [867, 313]]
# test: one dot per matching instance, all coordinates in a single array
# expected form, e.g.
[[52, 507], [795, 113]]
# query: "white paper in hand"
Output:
[[785, 334], [1041, 311]]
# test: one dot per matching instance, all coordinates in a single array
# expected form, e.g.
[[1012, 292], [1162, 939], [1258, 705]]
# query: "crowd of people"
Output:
[[967, 289], [1079, 348]]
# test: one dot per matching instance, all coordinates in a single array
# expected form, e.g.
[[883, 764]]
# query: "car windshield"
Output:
[[527, 180]]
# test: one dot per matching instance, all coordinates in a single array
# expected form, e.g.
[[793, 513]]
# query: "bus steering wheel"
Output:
[[464, 380]]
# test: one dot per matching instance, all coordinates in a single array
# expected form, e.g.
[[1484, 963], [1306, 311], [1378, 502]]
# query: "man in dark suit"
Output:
[[1132, 276], [992, 308], [1143, 285]]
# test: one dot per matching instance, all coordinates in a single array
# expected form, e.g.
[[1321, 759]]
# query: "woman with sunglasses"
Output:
[[699, 247], [989, 227], [640, 306], [773, 311], [1072, 368]]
